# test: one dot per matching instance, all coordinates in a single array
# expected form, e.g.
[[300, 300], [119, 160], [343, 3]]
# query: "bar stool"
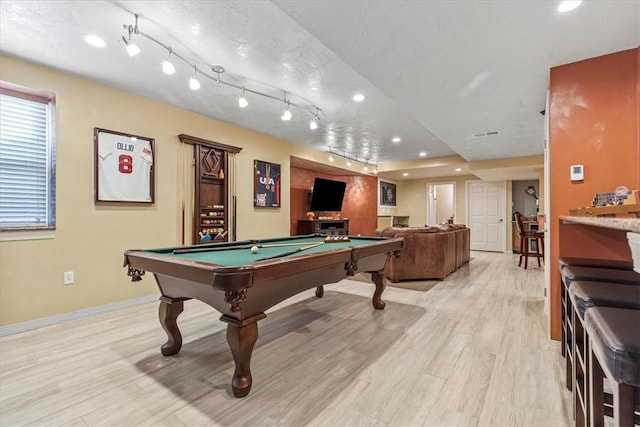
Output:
[[615, 355], [571, 274], [612, 264], [584, 262], [584, 295], [527, 236]]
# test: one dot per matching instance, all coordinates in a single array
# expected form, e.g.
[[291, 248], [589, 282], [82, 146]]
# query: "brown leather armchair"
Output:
[[428, 252]]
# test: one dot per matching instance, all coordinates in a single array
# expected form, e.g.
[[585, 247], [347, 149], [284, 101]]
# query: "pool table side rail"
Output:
[[219, 277], [290, 266]]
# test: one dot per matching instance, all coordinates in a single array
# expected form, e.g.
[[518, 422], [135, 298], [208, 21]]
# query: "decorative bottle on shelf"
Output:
[[221, 174]]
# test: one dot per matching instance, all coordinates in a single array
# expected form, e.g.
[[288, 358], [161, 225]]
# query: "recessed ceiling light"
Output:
[[405, 174], [396, 139], [423, 154], [358, 97], [458, 169], [568, 5], [95, 41]]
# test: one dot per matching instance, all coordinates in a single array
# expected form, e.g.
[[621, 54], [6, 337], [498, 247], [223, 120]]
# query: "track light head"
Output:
[[286, 114], [194, 84], [313, 124], [242, 101], [132, 48], [167, 65]]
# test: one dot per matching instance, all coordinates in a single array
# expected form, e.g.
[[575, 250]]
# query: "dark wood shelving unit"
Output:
[[211, 189]]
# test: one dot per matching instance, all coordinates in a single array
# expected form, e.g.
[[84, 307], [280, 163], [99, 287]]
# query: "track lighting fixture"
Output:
[[132, 48], [167, 65], [195, 82], [242, 101], [313, 124], [286, 114], [350, 159]]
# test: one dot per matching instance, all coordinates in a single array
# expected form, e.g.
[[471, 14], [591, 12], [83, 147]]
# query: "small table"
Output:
[[242, 285]]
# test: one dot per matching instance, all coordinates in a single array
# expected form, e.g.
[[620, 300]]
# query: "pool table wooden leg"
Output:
[[320, 291], [378, 278], [241, 337], [168, 314]]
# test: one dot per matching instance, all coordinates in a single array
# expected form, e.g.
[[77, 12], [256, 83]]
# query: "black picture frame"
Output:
[[267, 184], [124, 167], [387, 194]]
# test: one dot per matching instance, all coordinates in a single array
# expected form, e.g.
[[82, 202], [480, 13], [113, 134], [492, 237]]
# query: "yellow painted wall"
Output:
[[89, 239]]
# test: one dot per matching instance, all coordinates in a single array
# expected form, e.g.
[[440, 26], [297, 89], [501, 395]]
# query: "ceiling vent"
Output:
[[489, 133]]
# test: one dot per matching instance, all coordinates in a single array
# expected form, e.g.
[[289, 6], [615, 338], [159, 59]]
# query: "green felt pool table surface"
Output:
[[239, 253]]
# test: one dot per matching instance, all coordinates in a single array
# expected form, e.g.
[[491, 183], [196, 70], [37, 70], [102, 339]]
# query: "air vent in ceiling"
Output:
[[489, 133]]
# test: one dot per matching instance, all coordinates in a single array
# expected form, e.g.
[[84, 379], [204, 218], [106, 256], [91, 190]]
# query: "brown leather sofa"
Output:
[[428, 252]]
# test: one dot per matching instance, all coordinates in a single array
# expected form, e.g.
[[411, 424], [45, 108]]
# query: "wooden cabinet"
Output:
[[211, 210], [211, 194], [324, 227]]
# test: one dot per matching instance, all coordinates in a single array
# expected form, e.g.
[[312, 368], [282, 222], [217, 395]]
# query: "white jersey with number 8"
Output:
[[124, 168]]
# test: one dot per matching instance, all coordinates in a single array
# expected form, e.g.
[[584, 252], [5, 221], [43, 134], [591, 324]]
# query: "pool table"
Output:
[[242, 285]]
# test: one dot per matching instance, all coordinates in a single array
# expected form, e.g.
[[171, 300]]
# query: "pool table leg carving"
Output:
[[320, 291], [168, 314], [241, 337], [378, 278]]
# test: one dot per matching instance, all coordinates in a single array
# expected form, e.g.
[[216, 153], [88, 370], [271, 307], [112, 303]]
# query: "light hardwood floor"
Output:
[[472, 350]]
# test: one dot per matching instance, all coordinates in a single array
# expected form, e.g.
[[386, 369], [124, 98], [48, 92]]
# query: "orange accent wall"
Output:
[[359, 206], [593, 121]]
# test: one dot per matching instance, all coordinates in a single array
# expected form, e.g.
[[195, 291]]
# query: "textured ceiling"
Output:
[[434, 73]]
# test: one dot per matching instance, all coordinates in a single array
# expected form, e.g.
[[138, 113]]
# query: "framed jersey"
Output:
[[124, 166]]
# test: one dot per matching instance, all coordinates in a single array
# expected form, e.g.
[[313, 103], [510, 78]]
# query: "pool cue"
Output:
[[277, 245], [291, 252], [210, 249]]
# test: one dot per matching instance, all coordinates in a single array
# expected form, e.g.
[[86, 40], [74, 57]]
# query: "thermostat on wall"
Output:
[[577, 172]]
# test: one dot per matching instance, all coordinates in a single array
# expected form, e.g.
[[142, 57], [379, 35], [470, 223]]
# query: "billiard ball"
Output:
[[254, 249]]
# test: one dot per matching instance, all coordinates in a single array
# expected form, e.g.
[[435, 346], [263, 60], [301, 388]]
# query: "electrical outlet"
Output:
[[68, 277]]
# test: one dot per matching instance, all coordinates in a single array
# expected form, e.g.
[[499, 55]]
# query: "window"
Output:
[[27, 159]]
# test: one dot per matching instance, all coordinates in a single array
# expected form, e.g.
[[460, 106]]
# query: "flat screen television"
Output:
[[327, 195]]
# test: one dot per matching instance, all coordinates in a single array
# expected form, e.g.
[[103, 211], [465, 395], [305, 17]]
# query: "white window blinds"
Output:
[[27, 164]]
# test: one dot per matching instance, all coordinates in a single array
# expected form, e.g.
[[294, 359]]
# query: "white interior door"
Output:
[[486, 211]]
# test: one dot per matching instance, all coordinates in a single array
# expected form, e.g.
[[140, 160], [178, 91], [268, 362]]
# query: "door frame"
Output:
[[503, 208], [429, 184]]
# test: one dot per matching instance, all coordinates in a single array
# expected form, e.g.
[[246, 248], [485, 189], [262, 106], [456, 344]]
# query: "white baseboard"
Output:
[[64, 317]]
